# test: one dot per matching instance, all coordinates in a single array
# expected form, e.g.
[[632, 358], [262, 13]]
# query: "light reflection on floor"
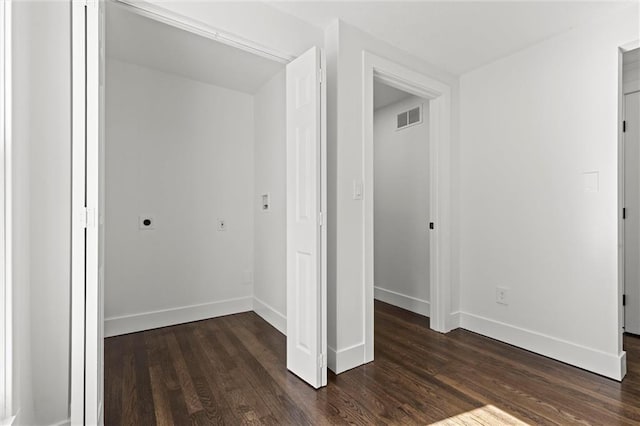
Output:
[[488, 415]]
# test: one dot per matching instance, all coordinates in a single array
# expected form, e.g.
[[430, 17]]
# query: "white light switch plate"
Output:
[[357, 190], [591, 181]]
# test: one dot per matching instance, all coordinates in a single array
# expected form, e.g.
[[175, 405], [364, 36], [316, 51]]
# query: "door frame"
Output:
[[86, 117], [439, 96], [85, 140], [6, 282], [621, 201], [149, 10]]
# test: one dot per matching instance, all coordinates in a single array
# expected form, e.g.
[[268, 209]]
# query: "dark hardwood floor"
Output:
[[231, 370]]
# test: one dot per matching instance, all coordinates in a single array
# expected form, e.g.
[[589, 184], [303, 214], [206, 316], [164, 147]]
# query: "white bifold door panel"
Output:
[[306, 234], [87, 344], [631, 140]]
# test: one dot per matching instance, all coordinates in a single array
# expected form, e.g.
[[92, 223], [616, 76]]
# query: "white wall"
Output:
[[41, 141], [21, 56], [345, 45], [181, 151], [401, 208], [532, 124], [270, 280]]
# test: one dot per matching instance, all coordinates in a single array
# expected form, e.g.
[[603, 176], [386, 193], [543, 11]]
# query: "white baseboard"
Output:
[[345, 359], [605, 364], [270, 315], [403, 301], [149, 320], [454, 321], [66, 422]]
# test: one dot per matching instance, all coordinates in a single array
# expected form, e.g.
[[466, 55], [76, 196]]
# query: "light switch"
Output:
[[265, 202], [357, 190]]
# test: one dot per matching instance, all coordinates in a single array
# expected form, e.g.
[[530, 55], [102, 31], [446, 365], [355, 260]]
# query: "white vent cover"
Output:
[[409, 118]]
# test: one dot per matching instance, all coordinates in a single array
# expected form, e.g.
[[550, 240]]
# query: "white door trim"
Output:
[[6, 282], [439, 96], [160, 14], [78, 127], [78, 212], [85, 130], [621, 202]]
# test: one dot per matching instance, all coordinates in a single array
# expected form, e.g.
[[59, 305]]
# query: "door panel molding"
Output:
[[306, 234]]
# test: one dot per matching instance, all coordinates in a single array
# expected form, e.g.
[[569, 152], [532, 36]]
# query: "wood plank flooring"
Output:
[[231, 370]]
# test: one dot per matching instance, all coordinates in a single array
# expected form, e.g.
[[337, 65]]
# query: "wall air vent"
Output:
[[409, 118]]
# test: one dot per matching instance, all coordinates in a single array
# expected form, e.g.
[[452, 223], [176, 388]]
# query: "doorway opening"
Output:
[[433, 100], [198, 184], [194, 140], [630, 152], [401, 198]]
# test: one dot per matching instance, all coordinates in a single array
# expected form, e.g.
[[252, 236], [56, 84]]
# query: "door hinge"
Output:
[[87, 217], [320, 219], [82, 217], [322, 360], [624, 300], [624, 126], [624, 213]]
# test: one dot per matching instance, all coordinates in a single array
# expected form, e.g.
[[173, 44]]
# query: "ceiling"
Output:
[[384, 95], [143, 41], [456, 36]]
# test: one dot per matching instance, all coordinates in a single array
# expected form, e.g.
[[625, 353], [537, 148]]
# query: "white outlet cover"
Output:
[[591, 181], [265, 202], [502, 295], [142, 222]]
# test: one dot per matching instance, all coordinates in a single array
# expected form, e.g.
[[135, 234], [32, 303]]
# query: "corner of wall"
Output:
[[345, 359], [270, 315]]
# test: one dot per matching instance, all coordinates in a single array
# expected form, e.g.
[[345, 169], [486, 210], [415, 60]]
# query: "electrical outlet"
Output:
[[266, 202], [222, 225], [146, 222], [502, 295]]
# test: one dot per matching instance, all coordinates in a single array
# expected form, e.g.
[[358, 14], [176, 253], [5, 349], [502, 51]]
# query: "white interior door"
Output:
[[87, 204], [631, 140], [306, 233]]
